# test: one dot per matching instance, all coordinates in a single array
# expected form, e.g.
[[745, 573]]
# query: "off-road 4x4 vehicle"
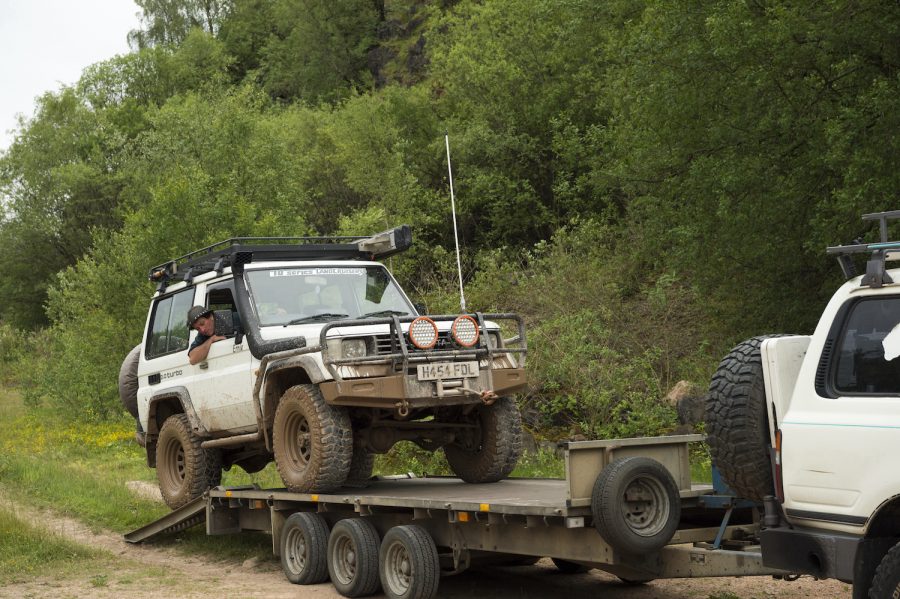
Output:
[[810, 425], [326, 362]]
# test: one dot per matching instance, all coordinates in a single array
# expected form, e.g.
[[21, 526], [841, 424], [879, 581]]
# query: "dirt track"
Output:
[[152, 571]]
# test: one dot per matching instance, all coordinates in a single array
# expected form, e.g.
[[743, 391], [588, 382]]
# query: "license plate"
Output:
[[447, 370]]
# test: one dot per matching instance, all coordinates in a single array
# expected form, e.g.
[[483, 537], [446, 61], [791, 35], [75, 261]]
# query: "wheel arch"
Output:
[[281, 375], [165, 403]]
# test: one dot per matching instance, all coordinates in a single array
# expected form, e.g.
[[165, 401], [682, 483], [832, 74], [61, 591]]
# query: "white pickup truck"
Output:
[[810, 425]]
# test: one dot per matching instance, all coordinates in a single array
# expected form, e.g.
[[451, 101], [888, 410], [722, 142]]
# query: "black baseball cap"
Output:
[[195, 313]]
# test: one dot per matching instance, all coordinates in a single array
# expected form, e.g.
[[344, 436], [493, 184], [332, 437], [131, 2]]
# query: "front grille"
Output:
[[387, 344]]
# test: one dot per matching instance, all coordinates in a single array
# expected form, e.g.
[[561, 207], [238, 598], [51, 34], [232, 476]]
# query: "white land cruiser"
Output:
[[810, 425], [326, 362]]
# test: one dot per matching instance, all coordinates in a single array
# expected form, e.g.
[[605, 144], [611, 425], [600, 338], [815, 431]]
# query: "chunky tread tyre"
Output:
[[353, 557], [304, 547], [313, 441], [408, 564], [737, 424], [636, 505], [886, 582], [184, 470], [362, 463], [128, 381], [497, 446]]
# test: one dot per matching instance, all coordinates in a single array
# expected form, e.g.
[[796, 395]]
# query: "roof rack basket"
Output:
[[238, 251], [876, 274]]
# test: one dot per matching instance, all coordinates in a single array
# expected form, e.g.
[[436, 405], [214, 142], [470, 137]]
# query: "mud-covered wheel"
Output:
[[304, 545], [313, 441], [128, 381], [886, 582], [353, 557], [737, 425], [490, 450], [183, 468], [361, 464], [408, 563], [636, 505]]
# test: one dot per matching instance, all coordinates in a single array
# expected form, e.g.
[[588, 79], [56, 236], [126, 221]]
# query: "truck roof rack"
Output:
[[882, 250], [239, 251]]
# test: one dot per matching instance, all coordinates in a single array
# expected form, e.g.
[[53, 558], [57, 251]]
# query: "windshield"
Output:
[[285, 296]]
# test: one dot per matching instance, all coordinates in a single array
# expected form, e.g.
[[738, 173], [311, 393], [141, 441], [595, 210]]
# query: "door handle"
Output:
[[203, 365]]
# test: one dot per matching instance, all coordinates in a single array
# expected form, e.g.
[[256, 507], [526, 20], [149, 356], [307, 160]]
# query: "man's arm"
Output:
[[199, 353]]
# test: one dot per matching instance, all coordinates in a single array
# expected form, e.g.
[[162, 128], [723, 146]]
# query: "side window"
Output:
[[867, 360], [220, 296], [168, 327]]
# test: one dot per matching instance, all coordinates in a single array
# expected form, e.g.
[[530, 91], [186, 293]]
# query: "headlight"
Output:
[[423, 333], [465, 331], [347, 348]]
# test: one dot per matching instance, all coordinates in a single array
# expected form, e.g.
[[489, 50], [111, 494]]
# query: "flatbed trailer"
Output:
[[406, 531]]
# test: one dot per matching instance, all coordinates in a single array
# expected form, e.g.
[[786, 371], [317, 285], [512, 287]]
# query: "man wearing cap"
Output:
[[202, 320]]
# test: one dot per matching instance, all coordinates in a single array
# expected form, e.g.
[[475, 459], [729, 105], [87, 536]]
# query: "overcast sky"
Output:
[[45, 44]]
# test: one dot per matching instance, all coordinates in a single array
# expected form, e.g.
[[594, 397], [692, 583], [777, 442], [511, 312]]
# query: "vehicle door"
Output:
[[220, 386], [839, 440]]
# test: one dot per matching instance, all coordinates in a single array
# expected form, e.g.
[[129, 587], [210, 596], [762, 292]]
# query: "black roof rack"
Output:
[[884, 249], [238, 251]]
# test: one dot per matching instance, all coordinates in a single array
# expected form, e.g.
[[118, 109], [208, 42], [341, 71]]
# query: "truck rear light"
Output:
[[779, 481]]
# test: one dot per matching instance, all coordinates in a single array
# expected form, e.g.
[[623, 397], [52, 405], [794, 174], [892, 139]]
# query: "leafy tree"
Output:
[[318, 52], [168, 22]]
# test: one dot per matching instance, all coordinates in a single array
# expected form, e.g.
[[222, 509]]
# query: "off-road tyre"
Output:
[[408, 564], [128, 381], [304, 547], [636, 505], [737, 425], [313, 441], [494, 450], [184, 470], [886, 582], [362, 463], [353, 557]]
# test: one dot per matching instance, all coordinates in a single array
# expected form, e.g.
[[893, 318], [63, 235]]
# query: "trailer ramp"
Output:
[[187, 516]]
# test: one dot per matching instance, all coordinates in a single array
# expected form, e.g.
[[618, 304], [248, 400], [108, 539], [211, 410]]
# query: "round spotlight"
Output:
[[465, 331], [423, 332]]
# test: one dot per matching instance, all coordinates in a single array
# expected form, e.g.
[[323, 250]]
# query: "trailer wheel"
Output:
[[184, 470], [353, 557], [304, 546], [886, 582], [491, 450], [636, 505], [567, 567], [408, 563], [313, 441], [737, 424]]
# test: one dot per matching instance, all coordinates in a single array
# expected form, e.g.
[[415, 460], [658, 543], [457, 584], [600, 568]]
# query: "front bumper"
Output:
[[394, 391]]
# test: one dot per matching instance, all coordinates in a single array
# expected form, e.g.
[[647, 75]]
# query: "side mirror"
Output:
[[421, 308], [225, 325]]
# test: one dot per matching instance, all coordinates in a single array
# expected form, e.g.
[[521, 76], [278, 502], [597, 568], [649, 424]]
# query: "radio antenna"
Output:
[[462, 296]]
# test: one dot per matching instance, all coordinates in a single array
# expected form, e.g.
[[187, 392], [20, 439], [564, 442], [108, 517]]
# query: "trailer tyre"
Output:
[[886, 582], [184, 470], [493, 448], [408, 563], [636, 505], [313, 441], [304, 546], [737, 424], [353, 557]]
